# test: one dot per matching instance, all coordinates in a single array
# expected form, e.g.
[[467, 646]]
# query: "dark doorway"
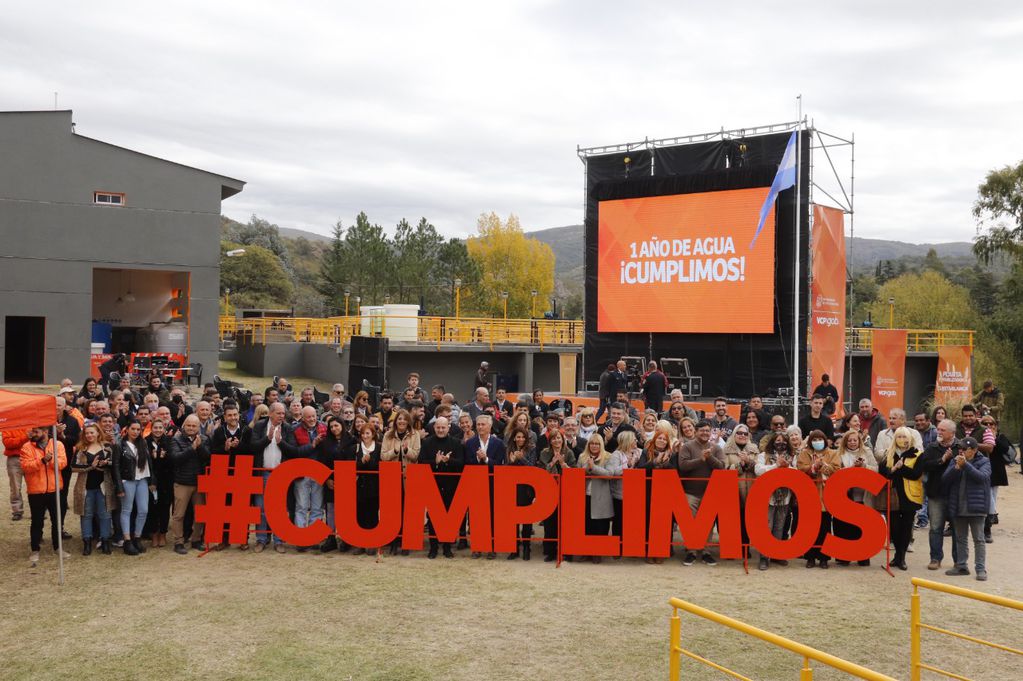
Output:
[[25, 349]]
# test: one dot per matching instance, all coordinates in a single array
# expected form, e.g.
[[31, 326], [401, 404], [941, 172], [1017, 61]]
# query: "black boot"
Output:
[[138, 545], [394, 548], [86, 547], [513, 556], [447, 551], [129, 548], [329, 544], [433, 550], [526, 550], [987, 529], [104, 547]]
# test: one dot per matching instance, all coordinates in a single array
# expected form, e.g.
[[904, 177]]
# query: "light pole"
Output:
[[358, 310], [458, 292], [504, 299], [227, 301], [347, 293], [532, 309], [891, 313]]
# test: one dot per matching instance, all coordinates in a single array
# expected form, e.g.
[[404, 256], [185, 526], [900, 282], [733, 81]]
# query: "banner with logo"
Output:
[[888, 371], [954, 382], [827, 295]]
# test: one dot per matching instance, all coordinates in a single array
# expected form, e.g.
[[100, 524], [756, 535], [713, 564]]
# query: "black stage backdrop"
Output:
[[734, 365]]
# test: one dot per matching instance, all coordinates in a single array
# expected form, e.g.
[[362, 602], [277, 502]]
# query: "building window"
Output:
[[108, 198]]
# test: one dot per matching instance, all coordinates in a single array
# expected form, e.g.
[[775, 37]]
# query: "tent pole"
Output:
[[56, 503]]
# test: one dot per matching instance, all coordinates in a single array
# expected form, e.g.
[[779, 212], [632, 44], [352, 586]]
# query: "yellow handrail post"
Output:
[[806, 673], [675, 655], [264, 332], [914, 635]]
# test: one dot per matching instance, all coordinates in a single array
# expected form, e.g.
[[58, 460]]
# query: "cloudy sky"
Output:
[[447, 110]]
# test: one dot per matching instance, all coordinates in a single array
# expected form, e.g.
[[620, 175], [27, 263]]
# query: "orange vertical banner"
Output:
[[888, 371], [827, 295], [954, 382]]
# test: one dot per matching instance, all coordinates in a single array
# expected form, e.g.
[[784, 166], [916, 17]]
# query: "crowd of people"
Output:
[[136, 453]]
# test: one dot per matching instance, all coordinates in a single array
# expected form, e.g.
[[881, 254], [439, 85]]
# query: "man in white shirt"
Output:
[[266, 449]]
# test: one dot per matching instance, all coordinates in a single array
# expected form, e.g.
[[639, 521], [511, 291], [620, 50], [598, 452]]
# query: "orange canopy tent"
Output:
[[21, 410]]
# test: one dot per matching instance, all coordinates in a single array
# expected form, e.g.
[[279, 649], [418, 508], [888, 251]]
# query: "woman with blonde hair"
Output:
[[599, 503], [400, 443], [854, 453], [899, 466], [625, 456], [587, 423], [741, 455], [686, 430]]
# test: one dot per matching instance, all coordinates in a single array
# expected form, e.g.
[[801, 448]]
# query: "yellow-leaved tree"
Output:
[[511, 262]]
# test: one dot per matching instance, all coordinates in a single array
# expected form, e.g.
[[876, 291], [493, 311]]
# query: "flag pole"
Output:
[[795, 281], [56, 503]]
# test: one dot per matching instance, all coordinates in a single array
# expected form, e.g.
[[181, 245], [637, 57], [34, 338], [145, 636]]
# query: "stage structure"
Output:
[[680, 263]]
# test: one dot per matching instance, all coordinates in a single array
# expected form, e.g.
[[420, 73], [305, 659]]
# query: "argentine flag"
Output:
[[785, 178]]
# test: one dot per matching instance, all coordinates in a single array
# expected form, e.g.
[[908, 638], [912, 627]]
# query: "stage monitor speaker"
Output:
[[675, 367], [368, 351]]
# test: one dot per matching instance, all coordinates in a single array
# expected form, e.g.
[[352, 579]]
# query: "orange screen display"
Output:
[[686, 263]]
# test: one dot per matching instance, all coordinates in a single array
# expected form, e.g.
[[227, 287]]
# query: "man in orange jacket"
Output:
[[40, 479], [13, 440]]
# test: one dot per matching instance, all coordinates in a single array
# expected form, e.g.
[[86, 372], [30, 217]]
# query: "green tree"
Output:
[[256, 279], [512, 262], [924, 300], [999, 213], [260, 232], [453, 262], [415, 253], [933, 262]]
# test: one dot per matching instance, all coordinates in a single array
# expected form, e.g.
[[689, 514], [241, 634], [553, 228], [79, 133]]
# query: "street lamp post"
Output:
[[891, 313], [227, 301], [504, 299], [347, 293], [532, 309], [458, 292]]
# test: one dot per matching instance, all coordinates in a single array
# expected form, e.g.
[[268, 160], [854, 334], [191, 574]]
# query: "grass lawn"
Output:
[[237, 614]]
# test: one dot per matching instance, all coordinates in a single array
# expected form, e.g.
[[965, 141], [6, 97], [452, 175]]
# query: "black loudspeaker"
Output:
[[375, 376], [368, 351]]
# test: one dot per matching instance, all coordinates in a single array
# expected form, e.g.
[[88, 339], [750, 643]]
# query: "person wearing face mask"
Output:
[[777, 453], [854, 454], [907, 491], [820, 463]]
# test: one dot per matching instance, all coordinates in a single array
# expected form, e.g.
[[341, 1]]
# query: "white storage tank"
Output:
[[402, 322], [164, 337]]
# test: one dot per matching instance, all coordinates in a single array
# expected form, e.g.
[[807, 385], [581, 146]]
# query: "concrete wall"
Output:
[[455, 368], [54, 236]]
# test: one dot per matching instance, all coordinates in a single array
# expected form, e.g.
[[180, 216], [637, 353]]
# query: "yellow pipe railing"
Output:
[[917, 340], [805, 651], [916, 626], [436, 331]]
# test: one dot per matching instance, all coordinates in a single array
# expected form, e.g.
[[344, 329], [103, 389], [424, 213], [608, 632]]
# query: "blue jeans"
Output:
[[330, 516], [263, 529], [308, 502], [96, 505], [136, 494], [922, 517], [935, 536]]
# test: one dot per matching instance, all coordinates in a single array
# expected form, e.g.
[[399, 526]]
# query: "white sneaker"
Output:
[[63, 554], [33, 558]]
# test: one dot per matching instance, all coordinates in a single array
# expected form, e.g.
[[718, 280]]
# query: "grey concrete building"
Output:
[[90, 232]]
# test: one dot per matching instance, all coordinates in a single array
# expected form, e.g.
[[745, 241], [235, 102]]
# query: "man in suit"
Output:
[[572, 439], [485, 449], [444, 454]]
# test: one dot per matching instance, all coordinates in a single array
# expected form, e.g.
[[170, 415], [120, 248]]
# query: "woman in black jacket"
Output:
[[135, 479], [999, 476], [333, 448], [366, 453], [900, 466], [158, 441]]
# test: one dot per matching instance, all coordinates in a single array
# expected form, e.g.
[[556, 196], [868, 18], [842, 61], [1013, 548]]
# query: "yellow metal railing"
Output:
[[436, 331], [916, 626], [806, 652], [917, 340]]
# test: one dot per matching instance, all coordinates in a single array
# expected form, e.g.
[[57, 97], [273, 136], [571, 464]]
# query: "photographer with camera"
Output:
[[967, 486]]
